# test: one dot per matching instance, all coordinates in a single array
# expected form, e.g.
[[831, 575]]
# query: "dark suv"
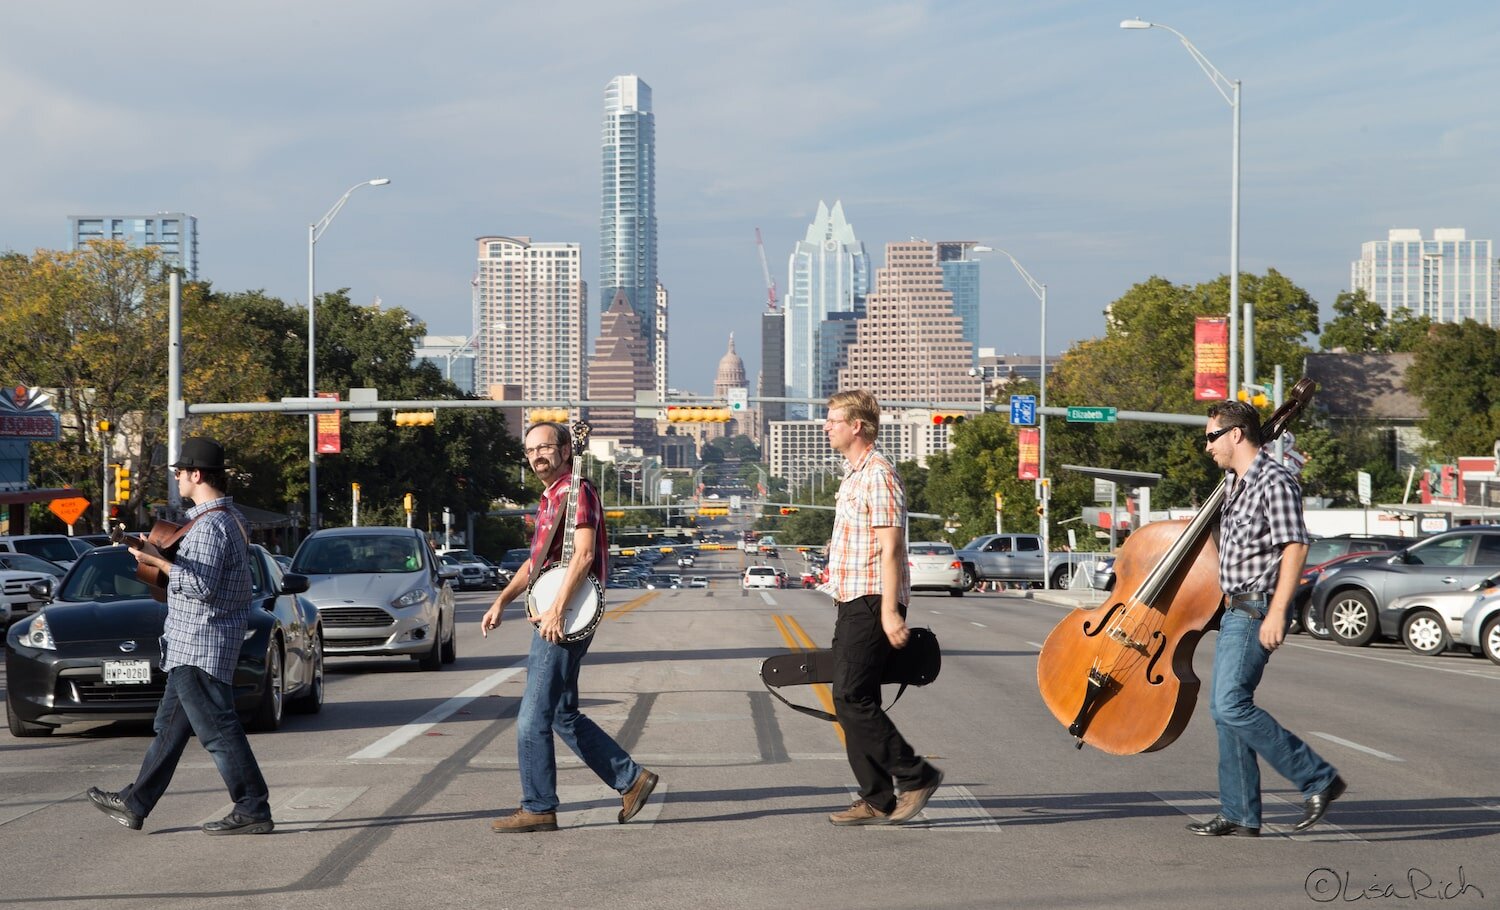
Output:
[[1323, 549]]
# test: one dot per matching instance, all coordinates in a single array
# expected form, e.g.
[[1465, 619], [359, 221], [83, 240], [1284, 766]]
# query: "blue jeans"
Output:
[[195, 703], [1247, 731], [551, 705]]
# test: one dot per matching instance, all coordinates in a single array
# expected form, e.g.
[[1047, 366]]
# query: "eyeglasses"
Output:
[[1214, 436], [544, 447]]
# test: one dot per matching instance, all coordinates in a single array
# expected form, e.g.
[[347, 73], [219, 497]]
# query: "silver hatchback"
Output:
[[380, 591]]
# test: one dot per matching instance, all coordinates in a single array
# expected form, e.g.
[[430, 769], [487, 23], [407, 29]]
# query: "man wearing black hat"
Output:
[[208, 608]]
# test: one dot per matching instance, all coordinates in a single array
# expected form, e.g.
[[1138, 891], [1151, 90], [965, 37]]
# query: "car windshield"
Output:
[[20, 562], [358, 554], [104, 575], [931, 549], [56, 549]]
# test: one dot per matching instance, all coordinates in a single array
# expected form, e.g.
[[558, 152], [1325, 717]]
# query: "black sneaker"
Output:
[[235, 823], [112, 805]]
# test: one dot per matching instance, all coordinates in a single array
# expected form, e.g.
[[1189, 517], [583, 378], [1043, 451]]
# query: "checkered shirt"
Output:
[[590, 515], [1261, 514], [208, 592], [870, 497]]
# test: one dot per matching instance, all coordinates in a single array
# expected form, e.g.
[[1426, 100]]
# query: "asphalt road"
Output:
[[384, 799]]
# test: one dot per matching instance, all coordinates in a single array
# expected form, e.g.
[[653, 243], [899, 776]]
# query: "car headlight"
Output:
[[39, 635], [410, 598]]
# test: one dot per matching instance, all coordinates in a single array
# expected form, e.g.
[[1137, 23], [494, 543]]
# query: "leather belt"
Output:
[[1253, 604]]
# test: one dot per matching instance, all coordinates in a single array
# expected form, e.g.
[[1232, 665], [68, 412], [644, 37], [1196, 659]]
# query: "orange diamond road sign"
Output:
[[69, 509]]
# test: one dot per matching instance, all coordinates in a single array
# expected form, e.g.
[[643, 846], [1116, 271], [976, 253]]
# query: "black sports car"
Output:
[[92, 652]]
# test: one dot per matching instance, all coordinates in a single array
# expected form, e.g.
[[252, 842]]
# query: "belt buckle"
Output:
[[1254, 605]]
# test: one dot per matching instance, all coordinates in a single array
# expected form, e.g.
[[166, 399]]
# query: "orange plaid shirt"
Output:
[[870, 497]]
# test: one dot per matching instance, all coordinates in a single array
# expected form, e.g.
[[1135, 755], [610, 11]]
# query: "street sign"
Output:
[[1022, 410], [358, 395], [1091, 415], [1104, 490], [739, 398], [1364, 488], [70, 509]]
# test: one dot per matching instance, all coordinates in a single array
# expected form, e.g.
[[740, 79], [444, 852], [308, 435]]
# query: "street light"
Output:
[[314, 231], [1045, 518], [1229, 89]]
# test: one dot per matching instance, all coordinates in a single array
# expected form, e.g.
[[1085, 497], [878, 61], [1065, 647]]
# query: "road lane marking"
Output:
[[1357, 747], [608, 814], [306, 809], [979, 624], [671, 759], [397, 738], [766, 596], [797, 639], [1035, 644], [624, 608], [1426, 663], [17, 806]]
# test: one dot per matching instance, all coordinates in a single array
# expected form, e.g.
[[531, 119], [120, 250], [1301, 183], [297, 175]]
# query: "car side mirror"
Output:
[[294, 584], [447, 572], [42, 590]]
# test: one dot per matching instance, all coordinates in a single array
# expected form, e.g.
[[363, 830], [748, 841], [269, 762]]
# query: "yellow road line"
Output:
[[624, 608], [797, 640]]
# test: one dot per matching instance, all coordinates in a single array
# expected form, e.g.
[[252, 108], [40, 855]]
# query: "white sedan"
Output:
[[935, 565], [1481, 627]]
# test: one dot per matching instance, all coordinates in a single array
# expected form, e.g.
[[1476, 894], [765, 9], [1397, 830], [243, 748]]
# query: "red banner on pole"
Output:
[[329, 442], [1029, 446], [1211, 359]]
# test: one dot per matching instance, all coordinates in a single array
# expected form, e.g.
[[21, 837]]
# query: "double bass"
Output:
[[1119, 675]]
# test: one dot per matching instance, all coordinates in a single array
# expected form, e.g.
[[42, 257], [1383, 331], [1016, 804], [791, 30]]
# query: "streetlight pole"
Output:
[[314, 231], [1229, 90], [1043, 488]]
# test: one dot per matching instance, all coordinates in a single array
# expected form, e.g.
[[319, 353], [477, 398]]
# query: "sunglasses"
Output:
[[1214, 436]]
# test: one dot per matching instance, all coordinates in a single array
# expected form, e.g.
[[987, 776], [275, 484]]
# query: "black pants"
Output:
[[881, 758]]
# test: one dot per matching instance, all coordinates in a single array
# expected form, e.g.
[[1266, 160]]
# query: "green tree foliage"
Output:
[[1456, 372], [1360, 326]]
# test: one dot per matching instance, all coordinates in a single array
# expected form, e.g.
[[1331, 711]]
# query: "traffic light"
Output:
[[614, 513], [696, 414], [547, 415], [788, 510], [409, 503], [946, 418], [415, 418], [1258, 399], [122, 483]]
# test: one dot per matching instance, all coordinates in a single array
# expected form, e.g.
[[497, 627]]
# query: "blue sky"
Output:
[[1097, 156]]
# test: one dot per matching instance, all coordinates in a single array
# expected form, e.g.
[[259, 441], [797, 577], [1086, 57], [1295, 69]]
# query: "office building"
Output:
[[173, 234], [617, 371], [454, 356], [828, 272], [659, 365], [909, 345], [961, 279], [797, 450], [627, 221], [1448, 278], [533, 322], [772, 380]]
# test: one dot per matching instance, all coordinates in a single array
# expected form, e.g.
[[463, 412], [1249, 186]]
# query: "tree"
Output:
[[1456, 373], [1360, 326]]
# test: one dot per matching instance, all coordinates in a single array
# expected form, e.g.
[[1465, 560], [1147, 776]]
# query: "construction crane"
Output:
[[766, 270]]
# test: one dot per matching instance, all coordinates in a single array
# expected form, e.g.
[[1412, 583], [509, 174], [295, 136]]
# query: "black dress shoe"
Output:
[[112, 805], [235, 823], [1317, 804], [1219, 826]]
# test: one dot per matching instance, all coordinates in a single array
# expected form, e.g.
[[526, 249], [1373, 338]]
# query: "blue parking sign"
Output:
[[1023, 410]]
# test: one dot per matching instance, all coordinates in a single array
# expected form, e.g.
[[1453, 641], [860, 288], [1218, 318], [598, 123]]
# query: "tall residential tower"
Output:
[[627, 220], [533, 323], [1449, 278]]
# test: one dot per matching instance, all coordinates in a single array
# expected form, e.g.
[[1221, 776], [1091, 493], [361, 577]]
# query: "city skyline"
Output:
[[1097, 156]]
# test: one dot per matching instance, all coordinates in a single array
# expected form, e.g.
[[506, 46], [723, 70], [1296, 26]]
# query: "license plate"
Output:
[[127, 672]]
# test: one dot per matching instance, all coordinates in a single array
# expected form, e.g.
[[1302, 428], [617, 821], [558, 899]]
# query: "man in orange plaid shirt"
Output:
[[869, 578]]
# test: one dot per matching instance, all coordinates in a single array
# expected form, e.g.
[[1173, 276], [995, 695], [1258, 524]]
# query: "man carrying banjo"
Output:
[[559, 645]]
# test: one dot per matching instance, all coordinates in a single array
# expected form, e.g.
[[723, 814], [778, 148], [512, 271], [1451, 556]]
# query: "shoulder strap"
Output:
[[814, 712], [552, 534]]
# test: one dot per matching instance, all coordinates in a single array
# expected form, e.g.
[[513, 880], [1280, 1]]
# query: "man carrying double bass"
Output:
[[1262, 546]]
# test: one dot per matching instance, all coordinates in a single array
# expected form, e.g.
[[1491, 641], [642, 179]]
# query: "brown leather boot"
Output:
[[636, 796], [522, 822], [861, 813]]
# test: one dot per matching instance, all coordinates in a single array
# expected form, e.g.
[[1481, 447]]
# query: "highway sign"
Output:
[[1022, 410], [1091, 415]]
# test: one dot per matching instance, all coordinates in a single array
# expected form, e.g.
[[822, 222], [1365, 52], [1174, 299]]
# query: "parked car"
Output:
[[934, 565], [1480, 627], [381, 591], [56, 548], [512, 561], [1304, 617], [1349, 597], [91, 652], [18, 573], [1322, 549], [486, 575], [471, 575], [1017, 558], [1430, 622], [759, 577]]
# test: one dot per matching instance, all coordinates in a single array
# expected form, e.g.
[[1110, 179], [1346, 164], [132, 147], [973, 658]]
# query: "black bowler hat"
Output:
[[201, 453]]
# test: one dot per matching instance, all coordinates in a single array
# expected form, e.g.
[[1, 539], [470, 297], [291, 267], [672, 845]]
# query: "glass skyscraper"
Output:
[[961, 279], [1449, 278], [627, 221], [173, 234], [829, 272]]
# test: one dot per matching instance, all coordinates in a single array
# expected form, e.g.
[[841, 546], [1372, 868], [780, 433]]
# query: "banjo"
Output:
[[585, 606]]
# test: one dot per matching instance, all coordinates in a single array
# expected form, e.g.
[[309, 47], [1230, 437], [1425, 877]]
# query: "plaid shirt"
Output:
[[1261, 514], [208, 592], [590, 515], [870, 497]]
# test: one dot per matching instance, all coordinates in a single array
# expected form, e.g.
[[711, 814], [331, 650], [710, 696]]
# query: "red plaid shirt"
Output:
[[870, 497], [590, 515]]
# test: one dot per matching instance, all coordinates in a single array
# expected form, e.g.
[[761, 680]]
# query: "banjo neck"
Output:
[[580, 432]]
